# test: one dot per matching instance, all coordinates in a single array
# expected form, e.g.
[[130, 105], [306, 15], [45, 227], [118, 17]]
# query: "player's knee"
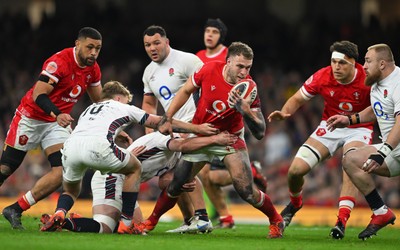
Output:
[[245, 191], [11, 159], [298, 171], [349, 159], [174, 189], [108, 223], [55, 159], [309, 155]]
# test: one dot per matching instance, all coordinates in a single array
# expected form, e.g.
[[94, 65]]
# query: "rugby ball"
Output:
[[247, 89]]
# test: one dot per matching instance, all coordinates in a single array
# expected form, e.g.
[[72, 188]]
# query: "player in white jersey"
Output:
[[166, 74], [382, 159], [162, 79], [158, 159], [92, 145]]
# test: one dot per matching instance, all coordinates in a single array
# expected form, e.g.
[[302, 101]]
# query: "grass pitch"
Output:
[[243, 237]]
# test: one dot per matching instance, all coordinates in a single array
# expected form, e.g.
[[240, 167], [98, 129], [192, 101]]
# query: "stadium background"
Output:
[[290, 38]]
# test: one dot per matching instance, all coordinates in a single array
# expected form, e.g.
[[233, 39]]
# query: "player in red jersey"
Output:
[[214, 175], [43, 116], [215, 79], [342, 86], [214, 36]]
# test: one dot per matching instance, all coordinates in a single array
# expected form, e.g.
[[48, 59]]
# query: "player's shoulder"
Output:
[[183, 55], [322, 76], [201, 53], [65, 54], [213, 66]]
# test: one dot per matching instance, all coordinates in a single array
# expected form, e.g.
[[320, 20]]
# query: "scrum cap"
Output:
[[217, 23]]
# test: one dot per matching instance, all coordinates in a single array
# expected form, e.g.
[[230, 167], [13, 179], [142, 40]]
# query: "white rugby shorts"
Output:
[[340, 136], [81, 153], [27, 134]]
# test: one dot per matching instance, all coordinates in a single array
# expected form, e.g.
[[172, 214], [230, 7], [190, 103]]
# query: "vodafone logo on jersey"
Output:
[[219, 106], [76, 91], [346, 106]]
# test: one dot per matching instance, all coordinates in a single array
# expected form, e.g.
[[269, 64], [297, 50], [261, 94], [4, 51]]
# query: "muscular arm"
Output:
[[393, 138], [41, 88], [342, 121], [181, 97], [179, 100], [149, 104], [195, 143], [253, 117], [94, 93], [294, 103], [367, 115], [256, 123], [182, 127]]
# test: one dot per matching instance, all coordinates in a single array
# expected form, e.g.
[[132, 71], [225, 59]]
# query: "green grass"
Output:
[[243, 237]]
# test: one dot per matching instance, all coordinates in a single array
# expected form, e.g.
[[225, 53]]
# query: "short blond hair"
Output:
[[112, 88], [383, 51]]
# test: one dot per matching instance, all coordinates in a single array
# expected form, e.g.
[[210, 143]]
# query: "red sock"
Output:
[[265, 205], [23, 203], [296, 199], [164, 203], [346, 204]]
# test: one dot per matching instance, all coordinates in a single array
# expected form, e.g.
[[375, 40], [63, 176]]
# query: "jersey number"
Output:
[[93, 111]]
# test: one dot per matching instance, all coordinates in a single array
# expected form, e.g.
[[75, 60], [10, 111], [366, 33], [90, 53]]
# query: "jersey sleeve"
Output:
[[146, 81], [256, 104], [311, 86], [193, 63], [199, 75], [55, 68], [97, 76], [396, 100], [137, 115]]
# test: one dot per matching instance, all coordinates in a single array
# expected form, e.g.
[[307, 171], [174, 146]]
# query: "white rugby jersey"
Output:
[[157, 159], [385, 101], [106, 119], [166, 78]]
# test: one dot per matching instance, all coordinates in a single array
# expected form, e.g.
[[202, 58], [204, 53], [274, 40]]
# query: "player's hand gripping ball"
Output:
[[247, 89]]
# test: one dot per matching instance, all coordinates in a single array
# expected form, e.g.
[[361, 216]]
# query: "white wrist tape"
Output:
[[385, 149]]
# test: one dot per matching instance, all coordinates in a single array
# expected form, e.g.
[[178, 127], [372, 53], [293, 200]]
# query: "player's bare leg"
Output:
[[238, 165], [216, 179], [347, 198], [46, 185], [297, 170]]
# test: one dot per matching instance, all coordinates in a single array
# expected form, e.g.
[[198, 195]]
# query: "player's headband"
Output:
[[341, 56]]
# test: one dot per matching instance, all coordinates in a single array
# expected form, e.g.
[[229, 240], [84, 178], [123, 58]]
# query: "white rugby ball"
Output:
[[246, 88]]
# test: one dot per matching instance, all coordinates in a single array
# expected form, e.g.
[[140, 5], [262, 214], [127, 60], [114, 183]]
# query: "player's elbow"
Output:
[[259, 135], [259, 131]]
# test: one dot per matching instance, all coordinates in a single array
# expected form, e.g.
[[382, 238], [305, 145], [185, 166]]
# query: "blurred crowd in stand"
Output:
[[285, 56]]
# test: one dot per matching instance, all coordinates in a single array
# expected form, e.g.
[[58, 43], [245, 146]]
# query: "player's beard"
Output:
[[88, 61], [371, 79]]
